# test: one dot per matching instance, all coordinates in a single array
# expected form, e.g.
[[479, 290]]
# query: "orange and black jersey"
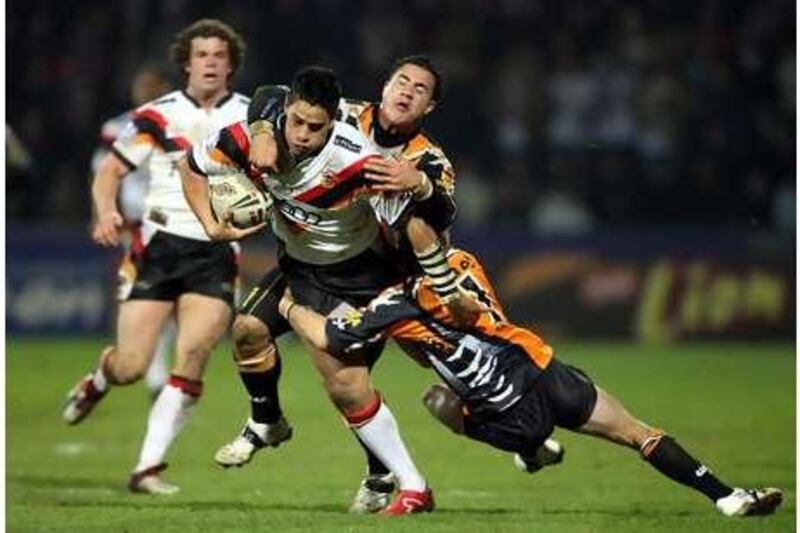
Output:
[[439, 210], [490, 365]]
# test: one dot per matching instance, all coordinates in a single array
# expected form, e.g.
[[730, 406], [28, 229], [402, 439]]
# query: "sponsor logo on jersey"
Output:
[[347, 144]]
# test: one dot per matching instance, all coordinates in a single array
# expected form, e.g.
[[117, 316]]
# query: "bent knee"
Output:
[[253, 347], [127, 368], [348, 394]]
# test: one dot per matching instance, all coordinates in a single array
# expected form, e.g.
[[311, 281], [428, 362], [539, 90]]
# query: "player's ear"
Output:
[[430, 107]]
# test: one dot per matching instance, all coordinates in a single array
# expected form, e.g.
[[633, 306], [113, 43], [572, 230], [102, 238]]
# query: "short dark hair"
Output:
[[181, 47], [317, 86], [427, 63]]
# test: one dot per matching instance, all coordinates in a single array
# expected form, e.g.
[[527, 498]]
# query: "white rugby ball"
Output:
[[237, 194]]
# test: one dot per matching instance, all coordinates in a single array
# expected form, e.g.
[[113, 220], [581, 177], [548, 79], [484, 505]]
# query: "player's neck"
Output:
[[400, 130], [205, 99]]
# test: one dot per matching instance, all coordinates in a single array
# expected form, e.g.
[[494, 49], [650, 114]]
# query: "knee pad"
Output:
[[253, 347], [445, 406]]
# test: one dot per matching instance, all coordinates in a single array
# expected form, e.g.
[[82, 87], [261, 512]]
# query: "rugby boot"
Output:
[[81, 400], [149, 481], [750, 502], [410, 502], [252, 438], [374, 493], [549, 453]]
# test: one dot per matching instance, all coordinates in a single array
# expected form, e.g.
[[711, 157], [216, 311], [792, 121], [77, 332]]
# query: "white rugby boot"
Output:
[[253, 437], [750, 502], [149, 481], [81, 400], [374, 494]]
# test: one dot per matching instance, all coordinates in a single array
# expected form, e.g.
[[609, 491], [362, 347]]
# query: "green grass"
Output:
[[732, 405]]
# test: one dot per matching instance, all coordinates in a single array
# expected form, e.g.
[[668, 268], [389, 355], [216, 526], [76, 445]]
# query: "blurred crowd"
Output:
[[558, 116]]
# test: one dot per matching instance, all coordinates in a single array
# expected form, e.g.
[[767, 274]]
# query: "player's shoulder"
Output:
[[423, 143], [348, 138], [237, 100], [158, 108], [112, 127], [351, 107]]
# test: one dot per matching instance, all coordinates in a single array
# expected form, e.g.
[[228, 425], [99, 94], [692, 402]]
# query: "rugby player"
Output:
[[330, 252], [179, 271], [504, 386], [148, 84], [418, 180]]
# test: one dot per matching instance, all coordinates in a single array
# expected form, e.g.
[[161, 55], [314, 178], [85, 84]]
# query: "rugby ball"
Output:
[[237, 194]]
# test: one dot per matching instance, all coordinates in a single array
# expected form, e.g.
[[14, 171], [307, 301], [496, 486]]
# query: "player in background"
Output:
[[419, 183], [179, 272], [150, 82], [504, 386]]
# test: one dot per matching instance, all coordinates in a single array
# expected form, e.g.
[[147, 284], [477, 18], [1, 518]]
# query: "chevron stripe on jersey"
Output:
[[155, 139]]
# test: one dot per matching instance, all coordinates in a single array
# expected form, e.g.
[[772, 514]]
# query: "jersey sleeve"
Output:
[[267, 103], [222, 152], [439, 209], [361, 328], [137, 140]]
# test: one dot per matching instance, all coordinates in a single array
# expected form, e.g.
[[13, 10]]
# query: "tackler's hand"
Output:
[[264, 153], [395, 175], [465, 309]]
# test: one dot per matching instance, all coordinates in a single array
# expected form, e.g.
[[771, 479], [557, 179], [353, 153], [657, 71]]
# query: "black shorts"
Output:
[[563, 396], [170, 266], [324, 288]]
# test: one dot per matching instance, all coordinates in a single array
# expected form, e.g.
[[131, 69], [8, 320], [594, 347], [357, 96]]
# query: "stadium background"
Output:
[[626, 169]]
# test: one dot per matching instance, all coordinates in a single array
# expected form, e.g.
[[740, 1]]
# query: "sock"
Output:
[[376, 427], [167, 417], [158, 371], [265, 406], [374, 465], [669, 458]]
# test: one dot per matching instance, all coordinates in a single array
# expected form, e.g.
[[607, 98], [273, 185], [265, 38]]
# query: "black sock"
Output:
[[265, 406], [376, 467], [669, 458]]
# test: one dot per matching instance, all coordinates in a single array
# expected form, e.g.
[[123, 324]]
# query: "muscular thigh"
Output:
[[139, 326], [202, 321]]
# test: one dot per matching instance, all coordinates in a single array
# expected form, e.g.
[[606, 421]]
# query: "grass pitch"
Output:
[[732, 405]]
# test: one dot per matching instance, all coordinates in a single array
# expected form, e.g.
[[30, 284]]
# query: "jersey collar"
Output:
[[385, 139]]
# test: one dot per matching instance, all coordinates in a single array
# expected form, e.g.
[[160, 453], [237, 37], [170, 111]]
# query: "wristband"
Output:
[[435, 265], [262, 126]]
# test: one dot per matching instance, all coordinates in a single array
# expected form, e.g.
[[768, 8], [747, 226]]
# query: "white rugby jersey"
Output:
[[322, 214], [158, 135], [133, 189]]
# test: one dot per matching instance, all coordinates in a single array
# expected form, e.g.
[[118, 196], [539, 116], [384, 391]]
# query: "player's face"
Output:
[[408, 95], [307, 128], [209, 65]]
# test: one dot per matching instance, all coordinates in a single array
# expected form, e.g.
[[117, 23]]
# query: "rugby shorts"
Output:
[[562, 396], [169, 266]]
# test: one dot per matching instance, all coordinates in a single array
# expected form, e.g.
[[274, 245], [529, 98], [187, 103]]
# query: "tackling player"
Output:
[[149, 83], [330, 252], [418, 180], [504, 387], [179, 271]]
